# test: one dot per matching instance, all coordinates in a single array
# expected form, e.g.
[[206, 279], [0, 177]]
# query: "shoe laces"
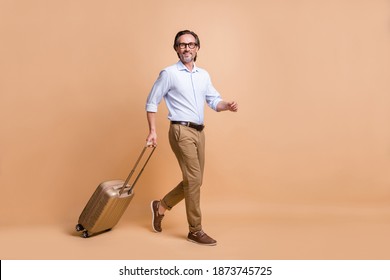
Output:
[[158, 215], [199, 233]]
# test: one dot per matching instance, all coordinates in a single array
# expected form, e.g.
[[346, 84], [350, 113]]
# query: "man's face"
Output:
[[183, 48]]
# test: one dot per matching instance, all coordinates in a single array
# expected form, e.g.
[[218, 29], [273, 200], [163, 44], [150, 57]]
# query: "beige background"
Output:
[[300, 172]]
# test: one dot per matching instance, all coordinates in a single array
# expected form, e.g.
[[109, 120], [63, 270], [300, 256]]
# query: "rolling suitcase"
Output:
[[109, 201]]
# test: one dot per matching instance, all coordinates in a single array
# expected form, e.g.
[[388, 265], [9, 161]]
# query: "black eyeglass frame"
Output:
[[191, 45]]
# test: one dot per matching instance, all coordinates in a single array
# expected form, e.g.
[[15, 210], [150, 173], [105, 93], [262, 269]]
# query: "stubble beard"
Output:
[[187, 59]]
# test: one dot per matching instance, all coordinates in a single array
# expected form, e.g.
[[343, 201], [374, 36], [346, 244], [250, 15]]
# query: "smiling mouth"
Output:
[[187, 56]]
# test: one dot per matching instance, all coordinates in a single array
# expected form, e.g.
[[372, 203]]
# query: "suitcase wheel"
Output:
[[79, 227], [85, 234]]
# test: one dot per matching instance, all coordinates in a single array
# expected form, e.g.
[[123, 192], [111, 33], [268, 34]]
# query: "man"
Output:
[[185, 88]]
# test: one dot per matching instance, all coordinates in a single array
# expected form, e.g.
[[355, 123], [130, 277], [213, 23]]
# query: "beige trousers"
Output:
[[188, 144]]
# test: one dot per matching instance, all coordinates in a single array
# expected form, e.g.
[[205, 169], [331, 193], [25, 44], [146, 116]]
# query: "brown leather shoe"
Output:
[[156, 217], [200, 237]]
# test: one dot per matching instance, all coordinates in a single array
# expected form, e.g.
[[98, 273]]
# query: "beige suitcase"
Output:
[[109, 201]]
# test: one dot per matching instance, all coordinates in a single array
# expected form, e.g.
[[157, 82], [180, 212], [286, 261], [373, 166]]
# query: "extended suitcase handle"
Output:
[[135, 166]]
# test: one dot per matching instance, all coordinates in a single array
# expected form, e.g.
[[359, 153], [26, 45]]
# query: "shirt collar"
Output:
[[181, 66]]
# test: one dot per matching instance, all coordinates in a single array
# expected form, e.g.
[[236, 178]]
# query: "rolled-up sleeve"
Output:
[[212, 96], [159, 89]]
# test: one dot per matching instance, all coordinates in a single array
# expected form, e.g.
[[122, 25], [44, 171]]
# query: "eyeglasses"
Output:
[[191, 45]]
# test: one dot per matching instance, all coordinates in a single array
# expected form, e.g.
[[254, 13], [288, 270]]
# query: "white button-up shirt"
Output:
[[184, 92]]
